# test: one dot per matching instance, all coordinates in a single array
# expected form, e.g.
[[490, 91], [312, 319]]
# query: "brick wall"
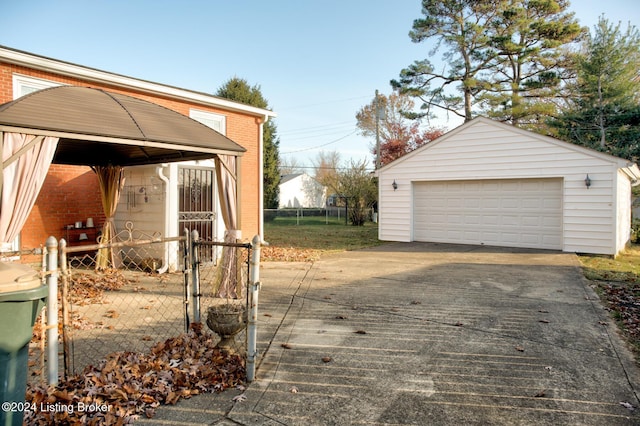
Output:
[[79, 198], [69, 194]]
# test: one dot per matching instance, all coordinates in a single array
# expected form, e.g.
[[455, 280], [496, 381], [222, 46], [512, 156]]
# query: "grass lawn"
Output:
[[617, 282], [310, 237]]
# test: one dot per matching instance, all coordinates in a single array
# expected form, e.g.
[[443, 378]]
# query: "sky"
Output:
[[316, 62]]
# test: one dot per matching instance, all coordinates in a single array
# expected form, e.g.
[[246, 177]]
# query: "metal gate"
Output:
[[196, 209]]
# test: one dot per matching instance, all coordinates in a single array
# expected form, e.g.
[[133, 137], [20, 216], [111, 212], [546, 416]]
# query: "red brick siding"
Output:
[[79, 198], [69, 194]]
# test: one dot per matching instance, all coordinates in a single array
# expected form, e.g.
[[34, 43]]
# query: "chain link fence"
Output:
[[128, 306], [151, 290]]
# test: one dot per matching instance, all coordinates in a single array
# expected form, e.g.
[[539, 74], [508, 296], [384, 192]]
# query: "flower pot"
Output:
[[226, 321]]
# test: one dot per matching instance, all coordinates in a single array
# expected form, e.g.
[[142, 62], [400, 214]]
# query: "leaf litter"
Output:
[[132, 384]]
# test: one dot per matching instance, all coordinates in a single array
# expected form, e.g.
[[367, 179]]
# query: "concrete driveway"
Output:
[[436, 334]]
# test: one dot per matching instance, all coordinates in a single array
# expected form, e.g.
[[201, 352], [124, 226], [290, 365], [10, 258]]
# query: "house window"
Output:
[[23, 85], [216, 121]]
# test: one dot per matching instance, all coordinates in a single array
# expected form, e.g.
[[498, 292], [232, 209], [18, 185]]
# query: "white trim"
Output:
[[21, 81], [207, 118], [42, 63]]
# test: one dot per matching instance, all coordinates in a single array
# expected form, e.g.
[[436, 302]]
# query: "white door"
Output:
[[506, 212]]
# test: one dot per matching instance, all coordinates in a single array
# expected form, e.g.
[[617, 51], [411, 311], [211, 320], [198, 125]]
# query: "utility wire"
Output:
[[319, 146]]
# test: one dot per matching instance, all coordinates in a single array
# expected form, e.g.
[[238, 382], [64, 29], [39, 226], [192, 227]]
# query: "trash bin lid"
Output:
[[17, 277]]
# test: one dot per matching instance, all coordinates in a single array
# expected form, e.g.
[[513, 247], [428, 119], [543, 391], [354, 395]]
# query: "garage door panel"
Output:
[[515, 212]]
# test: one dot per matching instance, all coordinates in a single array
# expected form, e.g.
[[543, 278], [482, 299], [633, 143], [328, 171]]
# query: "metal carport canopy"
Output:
[[99, 128]]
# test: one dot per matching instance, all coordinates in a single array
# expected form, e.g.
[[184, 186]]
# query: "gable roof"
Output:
[[97, 127], [630, 168], [55, 66], [287, 178]]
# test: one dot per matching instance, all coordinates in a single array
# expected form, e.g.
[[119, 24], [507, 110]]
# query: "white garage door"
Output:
[[510, 212]]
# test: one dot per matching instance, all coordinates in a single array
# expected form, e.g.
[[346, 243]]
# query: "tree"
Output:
[[239, 90], [326, 166], [604, 112], [461, 26], [289, 166], [398, 133], [527, 38], [358, 187], [503, 55]]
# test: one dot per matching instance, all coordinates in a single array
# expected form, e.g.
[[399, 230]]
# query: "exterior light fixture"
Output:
[[587, 181], [395, 185]]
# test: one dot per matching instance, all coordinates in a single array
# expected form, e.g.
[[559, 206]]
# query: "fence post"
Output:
[[195, 274], [252, 332], [64, 274], [185, 271], [52, 311]]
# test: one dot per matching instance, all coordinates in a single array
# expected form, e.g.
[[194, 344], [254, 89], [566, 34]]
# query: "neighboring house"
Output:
[[490, 183], [299, 190], [163, 198]]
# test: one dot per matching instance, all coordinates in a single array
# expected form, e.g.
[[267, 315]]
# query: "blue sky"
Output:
[[317, 62]]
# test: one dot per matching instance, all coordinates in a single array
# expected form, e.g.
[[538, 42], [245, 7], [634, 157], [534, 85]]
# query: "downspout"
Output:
[[167, 206], [261, 123]]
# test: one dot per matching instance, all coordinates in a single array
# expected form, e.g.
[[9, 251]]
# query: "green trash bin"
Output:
[[22, 297]]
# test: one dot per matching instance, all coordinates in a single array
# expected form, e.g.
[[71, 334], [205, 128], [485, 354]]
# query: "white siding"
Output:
[[142, 202], [483, 149], [301, 192], [624, 211]]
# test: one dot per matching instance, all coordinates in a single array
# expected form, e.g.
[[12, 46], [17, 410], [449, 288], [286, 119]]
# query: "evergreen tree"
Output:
[[239, 90], [604, 111], [527, 38], [504, 55], [461, 26]]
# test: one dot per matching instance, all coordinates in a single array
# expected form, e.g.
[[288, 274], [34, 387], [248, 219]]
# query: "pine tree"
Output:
[[604, 111]]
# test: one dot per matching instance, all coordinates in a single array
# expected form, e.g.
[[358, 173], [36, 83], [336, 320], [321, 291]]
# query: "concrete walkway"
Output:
[[434, 334]]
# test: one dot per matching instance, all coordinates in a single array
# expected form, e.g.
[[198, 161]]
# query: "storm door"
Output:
[[197, 203]]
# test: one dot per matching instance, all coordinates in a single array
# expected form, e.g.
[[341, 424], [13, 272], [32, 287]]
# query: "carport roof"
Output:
[[97, 127]]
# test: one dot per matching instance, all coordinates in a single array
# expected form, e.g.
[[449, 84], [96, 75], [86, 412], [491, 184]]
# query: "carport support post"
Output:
[[252, 332], [52, 310]]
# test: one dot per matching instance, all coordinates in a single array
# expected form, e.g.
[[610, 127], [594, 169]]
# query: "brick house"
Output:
[[151, 197]]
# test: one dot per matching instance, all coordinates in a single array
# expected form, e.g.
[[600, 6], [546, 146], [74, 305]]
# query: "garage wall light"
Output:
[[394, 185], [587, 181]]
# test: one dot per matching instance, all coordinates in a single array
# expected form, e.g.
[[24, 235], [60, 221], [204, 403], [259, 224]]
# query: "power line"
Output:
[[319, 146], [324, 103]]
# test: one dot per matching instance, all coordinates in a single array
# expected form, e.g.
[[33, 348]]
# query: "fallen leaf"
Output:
[[240, 398], [627, 406]]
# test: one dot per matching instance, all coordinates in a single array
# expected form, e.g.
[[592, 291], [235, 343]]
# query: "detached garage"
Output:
[[489, 183]]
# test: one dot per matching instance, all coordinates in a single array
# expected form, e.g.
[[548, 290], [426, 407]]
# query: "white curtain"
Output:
[[25, 162], [227, 190]]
